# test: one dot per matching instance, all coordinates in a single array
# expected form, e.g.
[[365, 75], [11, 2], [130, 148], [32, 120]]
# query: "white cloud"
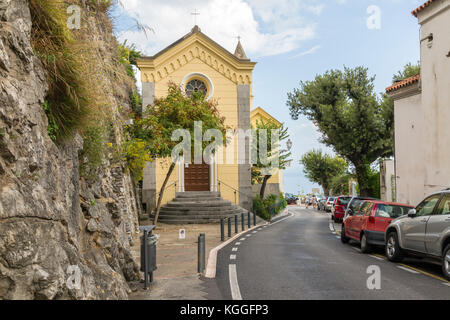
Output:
[[267, 27], [307, 52]]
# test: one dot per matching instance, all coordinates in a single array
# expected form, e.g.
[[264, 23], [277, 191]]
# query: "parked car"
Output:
[[424, 232], [369, 223], [354, 205], [339, 207], [291, 199], [322, 203], [329, 204]]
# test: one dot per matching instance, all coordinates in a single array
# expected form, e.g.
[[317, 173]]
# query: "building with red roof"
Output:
[[422, 111]]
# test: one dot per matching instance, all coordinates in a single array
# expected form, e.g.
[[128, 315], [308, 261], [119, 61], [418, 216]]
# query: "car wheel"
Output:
[[446, 263], [365, 246], [344, 238], [393, 251]]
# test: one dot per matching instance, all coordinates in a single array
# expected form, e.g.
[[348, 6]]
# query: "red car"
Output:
[[368, 225], [339, 207]]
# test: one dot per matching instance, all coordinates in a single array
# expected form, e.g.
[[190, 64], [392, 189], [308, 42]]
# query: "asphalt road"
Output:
[[302, 258]]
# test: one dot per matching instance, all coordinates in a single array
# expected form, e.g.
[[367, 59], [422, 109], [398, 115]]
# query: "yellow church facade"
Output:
[[275, 184], [196, 62]]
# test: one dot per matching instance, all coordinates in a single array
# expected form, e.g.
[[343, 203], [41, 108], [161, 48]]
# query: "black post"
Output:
[[201, 253], [248, 218], [236, 224], [222, 230], [229, 227], [254, 219], [242, 221], [146, 282]]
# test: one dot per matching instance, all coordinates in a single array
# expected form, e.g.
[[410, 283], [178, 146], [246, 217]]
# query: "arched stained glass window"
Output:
[[196, 86]]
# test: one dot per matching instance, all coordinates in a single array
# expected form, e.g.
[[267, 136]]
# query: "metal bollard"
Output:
[[236, 224], [222, 230], [242, 222], [201, 253], [229, 227], [248, 218], [254, 219]]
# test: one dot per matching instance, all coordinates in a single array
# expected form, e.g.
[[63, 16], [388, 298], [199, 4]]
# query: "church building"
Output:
[[196, 62]]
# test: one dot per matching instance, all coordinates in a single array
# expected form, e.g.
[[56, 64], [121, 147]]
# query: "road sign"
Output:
[[182, 234]]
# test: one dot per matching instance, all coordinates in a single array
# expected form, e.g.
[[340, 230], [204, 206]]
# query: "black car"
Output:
[[291, 199]]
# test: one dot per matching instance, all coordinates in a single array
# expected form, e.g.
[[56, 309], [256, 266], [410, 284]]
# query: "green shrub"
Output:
[[52, 128], [260, 209], [283, 202], [94, 147], [269, 207], [136, 155]]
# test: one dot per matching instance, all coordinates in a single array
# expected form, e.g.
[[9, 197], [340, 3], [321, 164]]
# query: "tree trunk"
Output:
[[161, 193], [263, 186], [362, 175]]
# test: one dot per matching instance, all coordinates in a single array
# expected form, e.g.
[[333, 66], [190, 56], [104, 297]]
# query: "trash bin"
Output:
[[151, 253], [148, 254]]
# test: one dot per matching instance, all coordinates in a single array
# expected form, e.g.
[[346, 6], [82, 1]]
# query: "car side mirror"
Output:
[[412, 213]]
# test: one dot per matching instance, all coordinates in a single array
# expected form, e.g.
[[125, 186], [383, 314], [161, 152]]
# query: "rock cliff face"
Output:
[[60, 236]]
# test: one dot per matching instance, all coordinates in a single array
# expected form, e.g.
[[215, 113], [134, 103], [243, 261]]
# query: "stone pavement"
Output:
[[177, 277]]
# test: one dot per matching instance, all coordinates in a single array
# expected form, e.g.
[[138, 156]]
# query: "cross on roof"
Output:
[[195, 14]]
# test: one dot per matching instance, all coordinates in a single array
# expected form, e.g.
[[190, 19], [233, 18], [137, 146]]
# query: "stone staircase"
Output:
[[198, 208]]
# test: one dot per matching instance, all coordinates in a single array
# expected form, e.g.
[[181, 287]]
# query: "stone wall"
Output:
[[52, 221]]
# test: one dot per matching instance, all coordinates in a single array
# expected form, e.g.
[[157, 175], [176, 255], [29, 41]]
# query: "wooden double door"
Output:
[[196, 177]]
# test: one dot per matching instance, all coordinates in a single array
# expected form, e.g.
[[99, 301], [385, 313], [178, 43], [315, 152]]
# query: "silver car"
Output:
[[329, 204], [425, 231]]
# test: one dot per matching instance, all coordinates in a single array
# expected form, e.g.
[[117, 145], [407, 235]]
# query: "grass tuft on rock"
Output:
[[69, 97]]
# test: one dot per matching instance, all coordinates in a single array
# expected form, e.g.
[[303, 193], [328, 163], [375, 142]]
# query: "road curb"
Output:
[[212, 258]]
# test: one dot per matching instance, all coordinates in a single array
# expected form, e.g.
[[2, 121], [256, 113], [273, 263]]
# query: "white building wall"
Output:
[[435, 74], [422, 120]]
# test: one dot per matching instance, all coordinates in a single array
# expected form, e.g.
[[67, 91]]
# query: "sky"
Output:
[[292, 41]]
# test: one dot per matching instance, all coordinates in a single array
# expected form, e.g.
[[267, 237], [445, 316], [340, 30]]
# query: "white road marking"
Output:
[[408, 269], [249, 235], [446, 284], [235, 292], [254, 231], [241, 239], [234, 249], [233, 257], [357, 249], [237, 244], [334, 233], [337, 237], [331, 227], [378, 258]]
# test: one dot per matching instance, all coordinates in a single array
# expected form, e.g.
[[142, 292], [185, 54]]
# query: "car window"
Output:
[[444, 206], [344, 201], [368, 210], [391, 211], [427, 206], [355, 204], [363, 209]]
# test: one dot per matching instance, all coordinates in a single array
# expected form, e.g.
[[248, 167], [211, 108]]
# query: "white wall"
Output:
[[422, 120], [435, 76]]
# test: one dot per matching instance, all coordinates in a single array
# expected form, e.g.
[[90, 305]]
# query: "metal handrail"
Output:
[[234, 189]]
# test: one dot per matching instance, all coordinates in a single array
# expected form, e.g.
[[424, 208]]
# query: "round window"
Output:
[[196, 86]]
